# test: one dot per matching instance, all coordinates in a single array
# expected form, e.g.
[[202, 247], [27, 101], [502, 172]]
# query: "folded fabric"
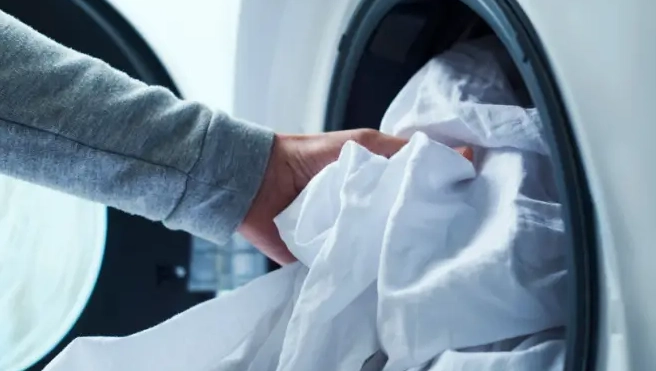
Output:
[[543, 351], [424, 261]]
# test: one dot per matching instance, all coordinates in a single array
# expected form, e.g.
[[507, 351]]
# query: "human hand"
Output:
[[294, 160]]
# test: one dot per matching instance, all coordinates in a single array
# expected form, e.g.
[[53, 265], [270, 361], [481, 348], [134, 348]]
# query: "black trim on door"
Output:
[[578, 209], [146, 65], [359, 96]]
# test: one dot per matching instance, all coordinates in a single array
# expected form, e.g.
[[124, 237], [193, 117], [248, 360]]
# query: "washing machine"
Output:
[[311, 66], [143, 277], [588, 66]]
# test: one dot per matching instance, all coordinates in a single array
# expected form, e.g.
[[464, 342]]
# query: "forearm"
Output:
[[71, 122]]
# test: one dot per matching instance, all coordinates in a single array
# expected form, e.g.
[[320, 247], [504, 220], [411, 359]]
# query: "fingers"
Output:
[[276, 249], [377, 142], [466, 152], [265, 237], [387, 145], [293, 163]]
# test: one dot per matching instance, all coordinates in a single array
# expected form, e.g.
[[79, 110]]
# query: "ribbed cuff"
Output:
[[223, 183]]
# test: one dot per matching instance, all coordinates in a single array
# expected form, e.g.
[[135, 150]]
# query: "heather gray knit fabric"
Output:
[[73, 123]]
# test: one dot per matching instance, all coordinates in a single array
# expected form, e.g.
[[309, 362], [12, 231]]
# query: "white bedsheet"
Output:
[[425, 259]]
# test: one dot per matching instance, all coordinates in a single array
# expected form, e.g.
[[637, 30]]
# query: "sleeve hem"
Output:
[[224, 181]]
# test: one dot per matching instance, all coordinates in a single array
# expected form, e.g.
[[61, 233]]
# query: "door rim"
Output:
[[513, 27]]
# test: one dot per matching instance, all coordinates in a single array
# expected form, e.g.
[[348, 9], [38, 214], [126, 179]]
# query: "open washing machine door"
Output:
[[142, 278], [389, 40]]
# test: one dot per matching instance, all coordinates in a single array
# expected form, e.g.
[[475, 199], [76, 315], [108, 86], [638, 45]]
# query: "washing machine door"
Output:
[[142, 278], [602, 56], [573, 57]]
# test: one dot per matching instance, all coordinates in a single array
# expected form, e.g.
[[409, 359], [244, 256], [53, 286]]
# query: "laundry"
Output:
[[424, 261]]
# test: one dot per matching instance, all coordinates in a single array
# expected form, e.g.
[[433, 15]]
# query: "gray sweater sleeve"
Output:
[[73, 123]]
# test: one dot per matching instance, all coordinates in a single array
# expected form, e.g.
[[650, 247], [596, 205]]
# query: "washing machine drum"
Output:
[[388, 41], [119, 275]]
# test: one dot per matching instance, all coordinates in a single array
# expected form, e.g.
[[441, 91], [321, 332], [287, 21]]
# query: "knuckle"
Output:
[[366, 136]]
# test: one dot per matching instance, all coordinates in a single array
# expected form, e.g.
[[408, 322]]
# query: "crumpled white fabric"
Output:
[[423, 261]]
